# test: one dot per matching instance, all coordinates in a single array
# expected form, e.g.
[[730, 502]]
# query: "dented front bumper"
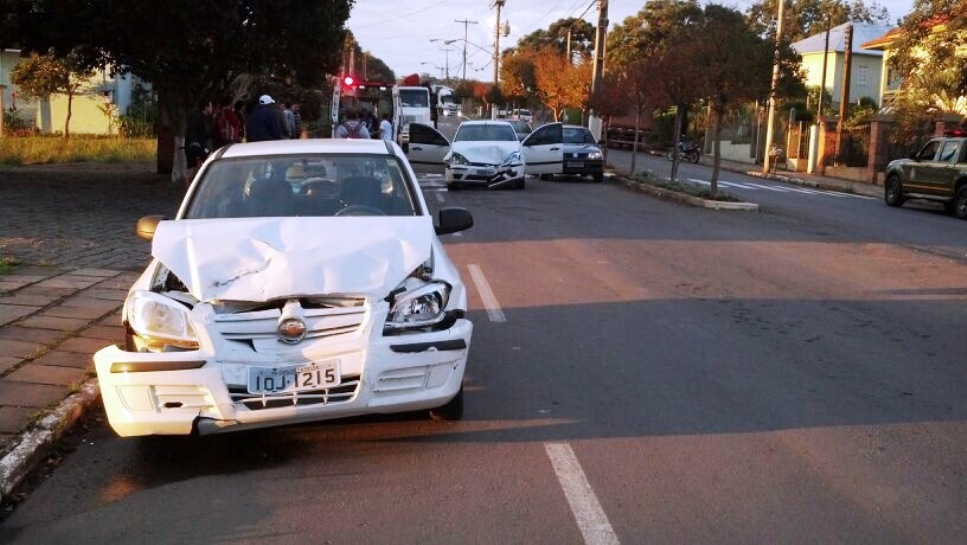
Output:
[[208, 390]]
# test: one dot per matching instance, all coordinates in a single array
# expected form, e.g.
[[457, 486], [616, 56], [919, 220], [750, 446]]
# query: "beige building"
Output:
[[867, 66]]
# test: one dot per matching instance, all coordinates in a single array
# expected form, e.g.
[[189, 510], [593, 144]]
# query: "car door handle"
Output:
[[555, 149], [416, 148]]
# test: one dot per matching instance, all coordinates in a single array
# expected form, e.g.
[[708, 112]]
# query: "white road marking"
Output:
[[439, 197], [489, 299], [769, 187], [782, 189], [591, 519]]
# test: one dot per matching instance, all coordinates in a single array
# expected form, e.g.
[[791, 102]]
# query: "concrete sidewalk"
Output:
[[51, 321]]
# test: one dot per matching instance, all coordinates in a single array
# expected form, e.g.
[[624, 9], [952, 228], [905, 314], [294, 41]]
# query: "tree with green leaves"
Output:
[[574, 35], [805, 18], [190, 50], [665, 32], [930, 52], [739, 69], [41, 76]]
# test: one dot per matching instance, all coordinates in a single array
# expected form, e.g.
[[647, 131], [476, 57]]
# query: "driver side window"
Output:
[[928, 152]]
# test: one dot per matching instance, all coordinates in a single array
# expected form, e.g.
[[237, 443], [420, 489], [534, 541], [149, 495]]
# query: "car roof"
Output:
[[486, 122], [308, 146]]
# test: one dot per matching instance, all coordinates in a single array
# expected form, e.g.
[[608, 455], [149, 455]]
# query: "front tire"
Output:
[[693, 156], [598, 177], [893, 191], [453, 410]]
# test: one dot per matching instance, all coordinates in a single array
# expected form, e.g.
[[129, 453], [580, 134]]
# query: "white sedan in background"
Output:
[[300, 280], [484, 153]]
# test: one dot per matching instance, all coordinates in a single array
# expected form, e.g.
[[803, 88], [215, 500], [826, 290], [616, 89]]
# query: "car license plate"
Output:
[[574, 164], [274, 380], [484, 171]]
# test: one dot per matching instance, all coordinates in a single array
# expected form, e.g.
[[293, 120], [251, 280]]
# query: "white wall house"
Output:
[[94, 110], [867, 65]]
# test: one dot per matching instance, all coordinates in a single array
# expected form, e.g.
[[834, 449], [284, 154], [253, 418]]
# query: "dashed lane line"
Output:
[[486, 294], [587, 510]]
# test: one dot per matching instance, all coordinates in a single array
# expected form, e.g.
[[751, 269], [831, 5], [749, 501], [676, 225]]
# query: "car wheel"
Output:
[[452, 187], [453, 410], [598, 177], [893, 191], [960, 203], [544, 177], [519, 184]]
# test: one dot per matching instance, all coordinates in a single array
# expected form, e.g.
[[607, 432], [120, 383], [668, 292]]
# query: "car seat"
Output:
[[362, 191], [269, 197]]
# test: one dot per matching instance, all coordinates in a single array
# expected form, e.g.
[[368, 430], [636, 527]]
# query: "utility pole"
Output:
[[770, 127], [597, 73], [844, 101], [465, 23], [498, 4]]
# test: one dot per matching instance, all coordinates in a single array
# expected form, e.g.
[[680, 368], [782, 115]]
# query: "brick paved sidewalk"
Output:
[[51, 321]]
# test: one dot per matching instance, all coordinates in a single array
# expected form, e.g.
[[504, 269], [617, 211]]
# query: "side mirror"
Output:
[[453, 220], [147, 226]]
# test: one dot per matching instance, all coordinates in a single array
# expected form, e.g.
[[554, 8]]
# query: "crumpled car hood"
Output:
[[258, 259], [490, 153]]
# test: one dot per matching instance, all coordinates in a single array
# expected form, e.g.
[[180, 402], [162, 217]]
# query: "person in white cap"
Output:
[[265, 122]]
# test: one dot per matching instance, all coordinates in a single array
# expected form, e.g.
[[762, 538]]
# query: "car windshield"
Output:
[[305, 185], [578, 136], [501, 132]]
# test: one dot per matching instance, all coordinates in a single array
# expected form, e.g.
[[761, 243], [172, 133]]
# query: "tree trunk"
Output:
[[679, 114], [716, 151], [634, 141], [67, 122]]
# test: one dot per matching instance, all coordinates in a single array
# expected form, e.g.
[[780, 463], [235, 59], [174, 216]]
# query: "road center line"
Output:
[[584, 504], [489, 300]]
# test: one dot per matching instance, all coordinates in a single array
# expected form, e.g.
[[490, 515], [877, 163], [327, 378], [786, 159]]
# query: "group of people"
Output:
[[209, 128], [354, 127]]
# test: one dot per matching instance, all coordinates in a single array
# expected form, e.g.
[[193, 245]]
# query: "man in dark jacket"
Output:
[[264, 123]]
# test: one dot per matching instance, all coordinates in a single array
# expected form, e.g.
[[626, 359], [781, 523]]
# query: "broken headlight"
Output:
[[159, 321], [417, 304]]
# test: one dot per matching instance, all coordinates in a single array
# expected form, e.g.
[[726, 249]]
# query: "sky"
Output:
[[399, 31]]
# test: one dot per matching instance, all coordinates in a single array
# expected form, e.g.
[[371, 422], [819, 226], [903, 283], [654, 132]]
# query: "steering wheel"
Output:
[[360, 210]]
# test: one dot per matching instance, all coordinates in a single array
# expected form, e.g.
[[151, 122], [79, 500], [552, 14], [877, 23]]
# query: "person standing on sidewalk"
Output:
[[198, 138], [265, 122]]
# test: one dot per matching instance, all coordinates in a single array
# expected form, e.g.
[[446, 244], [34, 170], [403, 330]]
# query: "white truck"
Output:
[[411, 105]]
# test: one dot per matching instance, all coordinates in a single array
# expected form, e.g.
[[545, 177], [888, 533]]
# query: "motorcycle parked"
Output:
[[689, 151]]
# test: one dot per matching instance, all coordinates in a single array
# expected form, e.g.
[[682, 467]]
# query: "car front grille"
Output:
[[331, 323]]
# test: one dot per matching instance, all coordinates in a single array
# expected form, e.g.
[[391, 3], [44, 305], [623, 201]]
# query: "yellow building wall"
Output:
[[89, 115]]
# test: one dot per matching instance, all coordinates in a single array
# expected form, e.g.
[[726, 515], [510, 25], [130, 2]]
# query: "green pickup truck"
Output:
[[938, 172]]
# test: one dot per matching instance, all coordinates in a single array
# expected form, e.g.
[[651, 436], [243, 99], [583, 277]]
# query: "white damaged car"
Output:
[[484, 153], [300, 280]]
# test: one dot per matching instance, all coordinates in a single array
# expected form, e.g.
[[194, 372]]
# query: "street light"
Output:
[[440, 68], [489, 52]]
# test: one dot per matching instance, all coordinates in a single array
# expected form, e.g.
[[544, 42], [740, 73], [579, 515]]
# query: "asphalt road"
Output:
[[641, 372]]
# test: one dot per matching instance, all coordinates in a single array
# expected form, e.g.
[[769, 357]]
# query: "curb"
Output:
[[688, 199], [36, 443]]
